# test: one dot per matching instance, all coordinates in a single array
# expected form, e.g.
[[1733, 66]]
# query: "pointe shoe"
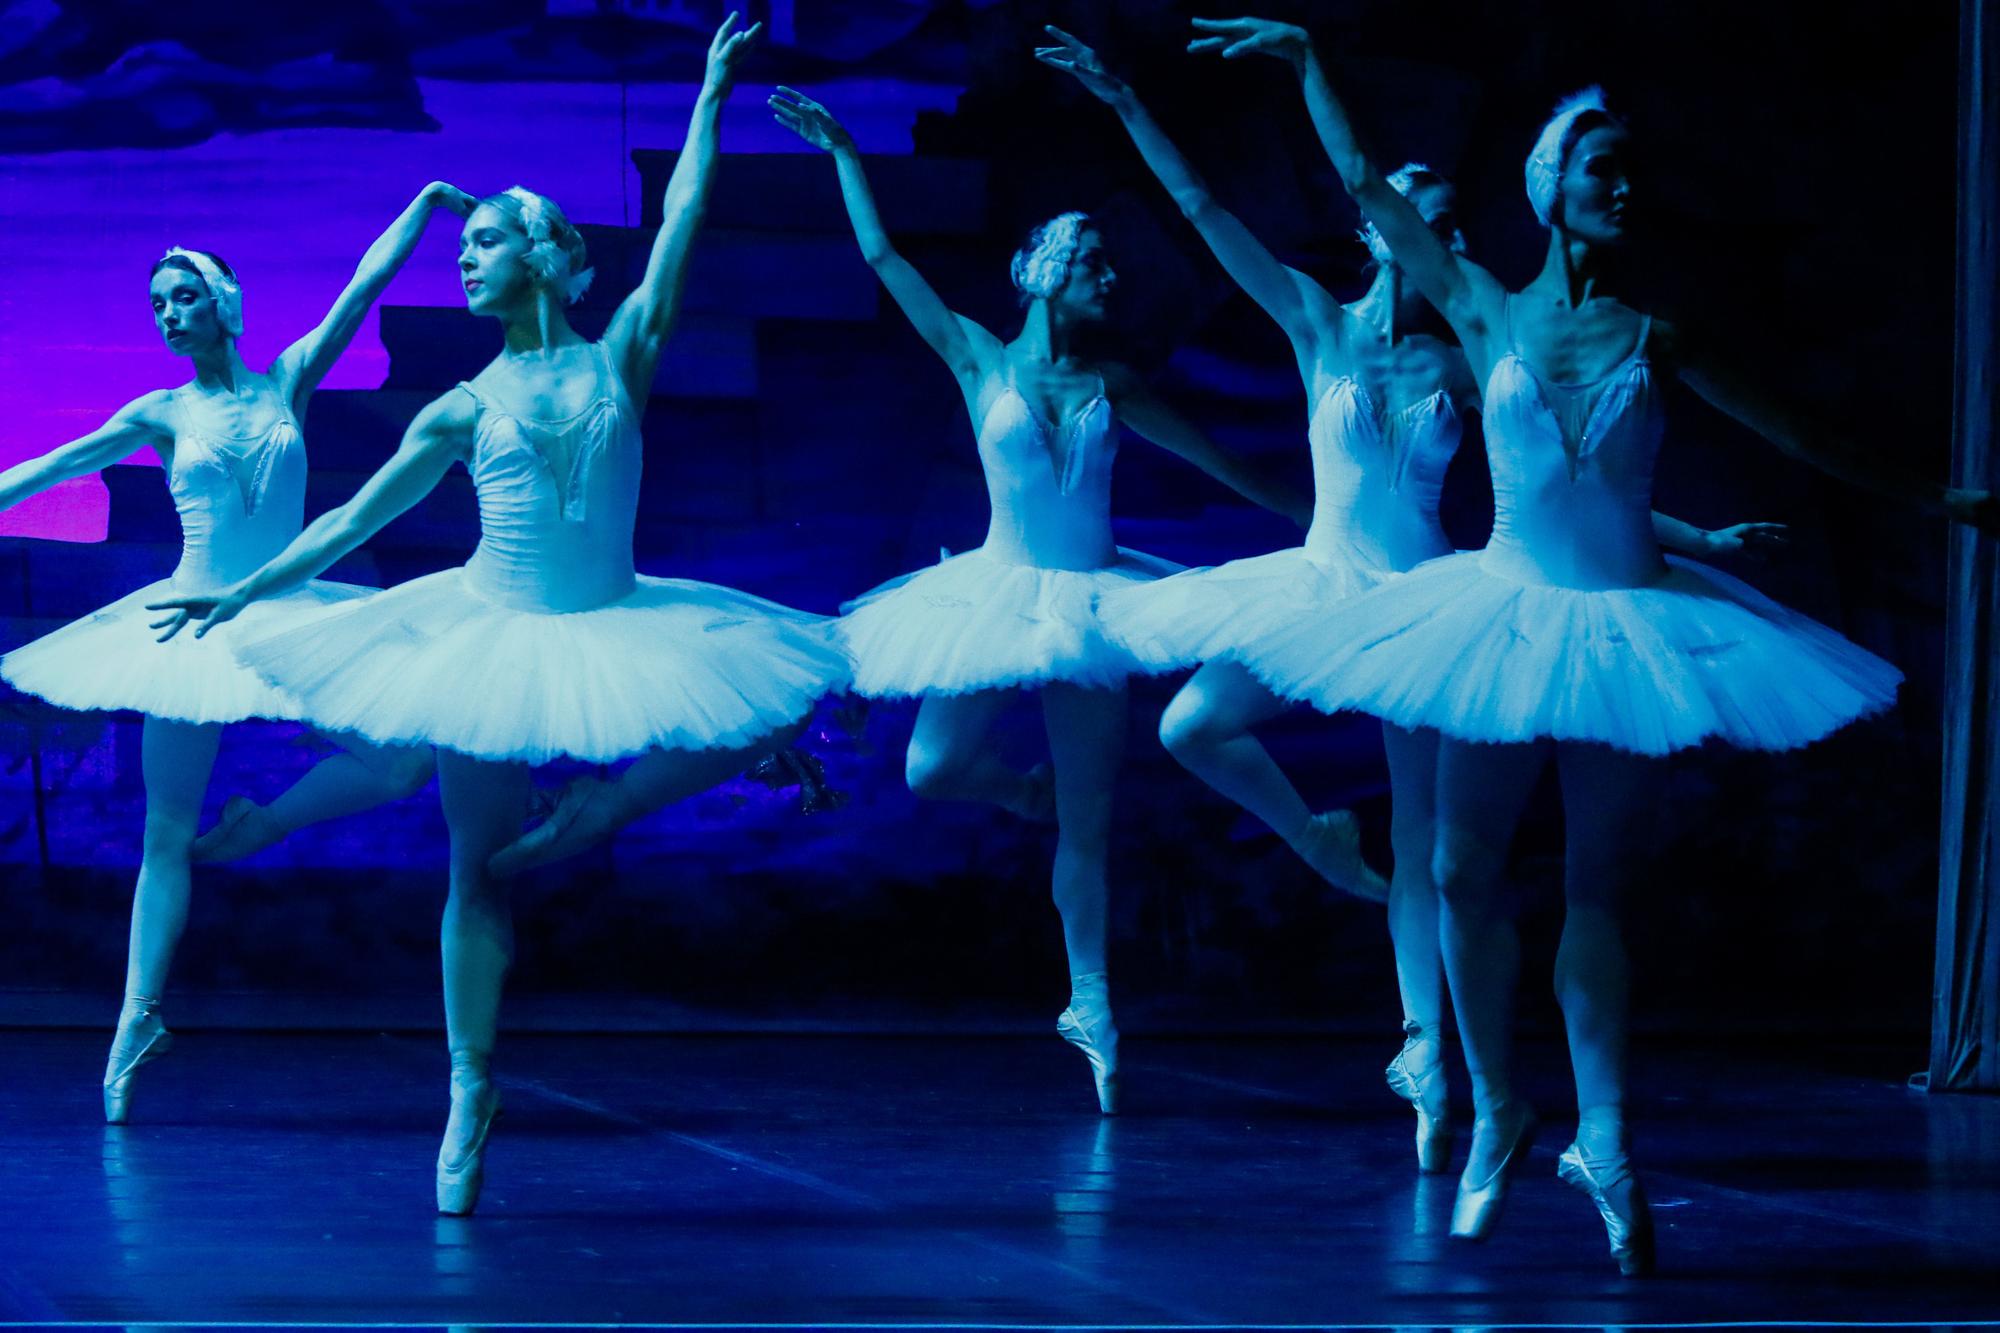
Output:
[[1332, 846], [1097, 1037], [1477, 1209], [244, 829], [583, 816], [472, 1110], [138, 1042], [1628, 1219], [1423, 1087]]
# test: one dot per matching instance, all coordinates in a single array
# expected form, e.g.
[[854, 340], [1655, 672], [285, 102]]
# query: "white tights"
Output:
[[176, 759], [1208, 726], [948, 760]]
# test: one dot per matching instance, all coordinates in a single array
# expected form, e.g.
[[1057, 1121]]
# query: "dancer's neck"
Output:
[[1576, 271], [537, 329], [1046, 336], [220, 369]]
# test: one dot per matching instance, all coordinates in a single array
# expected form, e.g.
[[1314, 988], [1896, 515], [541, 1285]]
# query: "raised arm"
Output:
[[1288, 296], [644, 319], [137, 425], [1145, 412], [433, 442], [1466, 294], [1712, 375], [305, 363], [948, 335]]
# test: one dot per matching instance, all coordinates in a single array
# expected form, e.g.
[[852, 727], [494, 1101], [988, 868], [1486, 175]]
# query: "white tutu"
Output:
[[673, 664], [973, 622], [1693, 656], [1228, 612], [110, 660]]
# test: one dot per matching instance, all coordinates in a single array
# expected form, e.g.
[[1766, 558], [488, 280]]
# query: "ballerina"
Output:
[[1387, 400], [1020, 610], [1570, 633], [230, 447], [546, 643]]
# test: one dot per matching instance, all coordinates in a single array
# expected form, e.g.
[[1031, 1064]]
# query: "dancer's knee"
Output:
[[1466, 870], [473, 887], [1413, 839], [933, 773], [167, 836], [408, 770], [1188, 726]]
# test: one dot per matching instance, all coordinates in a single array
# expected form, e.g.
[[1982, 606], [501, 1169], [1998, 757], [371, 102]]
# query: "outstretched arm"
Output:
[[1710, 374], [1287, 295], [138, 424], [1756, 539], [948, 335], [1466, 294], [305, 363], [434, 440], [645, 318], [1145, 412]]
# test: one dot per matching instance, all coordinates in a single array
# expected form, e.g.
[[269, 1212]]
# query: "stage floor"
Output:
[[906, 1181]]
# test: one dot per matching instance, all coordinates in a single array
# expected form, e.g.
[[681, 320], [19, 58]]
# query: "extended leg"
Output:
[[1417, 1073], [1207, 728], [1481, 791], [591, 810], [361, 777], [482, 809], [175, 759], [1607, 808], [1086, 744]]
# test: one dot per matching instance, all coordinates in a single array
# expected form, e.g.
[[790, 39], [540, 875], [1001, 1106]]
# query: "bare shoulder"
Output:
[[448, 417], [1121, 380], [151, 412], [1670, 341]]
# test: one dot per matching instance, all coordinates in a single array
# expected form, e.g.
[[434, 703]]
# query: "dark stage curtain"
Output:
[[1965, 1017]]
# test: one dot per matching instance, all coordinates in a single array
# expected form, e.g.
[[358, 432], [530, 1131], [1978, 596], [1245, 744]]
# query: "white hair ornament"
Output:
[[556, 252], [1041, 267], [1545, 163], [224, 291]]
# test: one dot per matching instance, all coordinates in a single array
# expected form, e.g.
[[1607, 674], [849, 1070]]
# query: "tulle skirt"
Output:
[[110, 660], [1229, 612], [1696, 655], [973, 622], [673, 664]]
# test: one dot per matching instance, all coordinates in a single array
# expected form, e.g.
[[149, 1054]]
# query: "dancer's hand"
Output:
[[726, 52], [1978, 509], [450, 198], [1756, 540], [1231, 38], [1073, 57], [211, 609], [809, 120]]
